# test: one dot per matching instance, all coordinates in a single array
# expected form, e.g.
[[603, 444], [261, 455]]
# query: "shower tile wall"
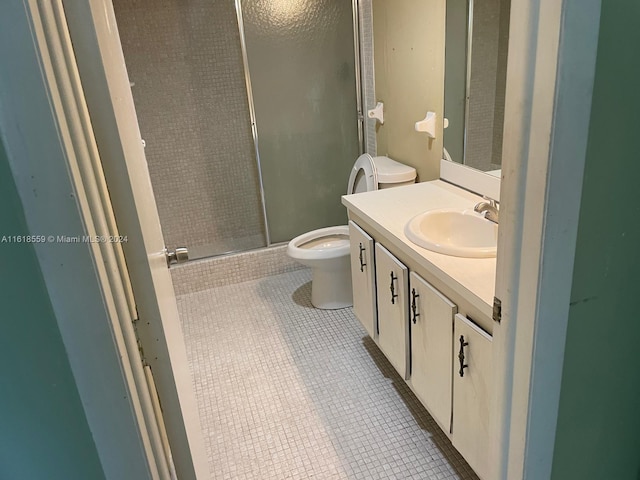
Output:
[[501, 83], [185, 64], [486, 99], [365, 12]]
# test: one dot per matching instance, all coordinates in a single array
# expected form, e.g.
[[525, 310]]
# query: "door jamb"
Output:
[[52, 155], [547, 112]]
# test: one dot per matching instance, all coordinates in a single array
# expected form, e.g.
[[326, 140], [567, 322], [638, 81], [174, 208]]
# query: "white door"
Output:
[[392, 286], [431, 315], [106, 86], [363, 278], [472, 383]]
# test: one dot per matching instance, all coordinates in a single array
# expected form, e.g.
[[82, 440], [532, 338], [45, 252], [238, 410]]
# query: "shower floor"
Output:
[[286, 391]]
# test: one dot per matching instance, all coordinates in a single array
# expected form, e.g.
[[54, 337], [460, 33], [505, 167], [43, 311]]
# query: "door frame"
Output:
[[550, 75], [52, 156], [549, 92], [99, 62]]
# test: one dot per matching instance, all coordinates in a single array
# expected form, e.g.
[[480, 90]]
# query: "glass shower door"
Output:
[[185, 64], [302, 69]]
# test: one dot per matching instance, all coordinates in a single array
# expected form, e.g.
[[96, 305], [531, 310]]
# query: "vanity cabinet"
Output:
[[392, 287], [444, 357], [472, 384], [431, 315], [363, 278]]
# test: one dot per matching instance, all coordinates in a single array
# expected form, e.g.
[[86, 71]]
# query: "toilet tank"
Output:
[[392, 173]]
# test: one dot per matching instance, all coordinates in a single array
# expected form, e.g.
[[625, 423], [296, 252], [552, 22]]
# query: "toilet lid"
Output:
[[390, 171], [364, 177]]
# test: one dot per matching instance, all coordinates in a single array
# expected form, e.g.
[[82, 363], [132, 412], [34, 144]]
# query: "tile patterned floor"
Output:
[[287, 391]]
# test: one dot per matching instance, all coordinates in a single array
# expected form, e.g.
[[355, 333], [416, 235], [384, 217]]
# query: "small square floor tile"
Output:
[[289, 391]]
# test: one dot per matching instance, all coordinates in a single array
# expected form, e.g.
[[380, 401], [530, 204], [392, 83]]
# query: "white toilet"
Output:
[[326, 250]]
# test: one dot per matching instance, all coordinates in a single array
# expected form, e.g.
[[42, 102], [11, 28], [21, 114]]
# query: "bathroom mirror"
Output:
[[477, 37]]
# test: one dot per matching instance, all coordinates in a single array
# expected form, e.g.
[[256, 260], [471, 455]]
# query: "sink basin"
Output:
[[461, 233]]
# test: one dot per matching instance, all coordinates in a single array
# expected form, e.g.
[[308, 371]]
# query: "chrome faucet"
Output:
[[488, 210]]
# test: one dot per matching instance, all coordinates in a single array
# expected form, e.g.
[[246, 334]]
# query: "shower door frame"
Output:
[[252, 111], [252, 115]]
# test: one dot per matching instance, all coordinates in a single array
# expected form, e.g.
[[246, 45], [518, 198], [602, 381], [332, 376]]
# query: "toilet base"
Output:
[[331, 288]]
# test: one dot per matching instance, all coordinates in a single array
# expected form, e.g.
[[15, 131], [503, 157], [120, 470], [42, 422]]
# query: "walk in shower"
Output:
[[250, 114]]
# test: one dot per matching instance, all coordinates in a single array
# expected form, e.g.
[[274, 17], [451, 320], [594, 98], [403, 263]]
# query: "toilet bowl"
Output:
[[326, 250]]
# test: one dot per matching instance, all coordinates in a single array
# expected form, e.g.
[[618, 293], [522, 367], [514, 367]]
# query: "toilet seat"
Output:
[[364, 176]]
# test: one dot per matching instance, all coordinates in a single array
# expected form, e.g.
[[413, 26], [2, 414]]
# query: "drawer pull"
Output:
[[414, 307], [461, 355], [362, 264], [394, 295]]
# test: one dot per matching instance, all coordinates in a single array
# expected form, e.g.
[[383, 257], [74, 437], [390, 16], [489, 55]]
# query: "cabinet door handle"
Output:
[[362, 264], [414, 307], [394, 295], [461, 356]]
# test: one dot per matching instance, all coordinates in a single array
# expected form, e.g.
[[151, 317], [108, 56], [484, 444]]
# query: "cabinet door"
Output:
[[431, 315], [363, 279], [472, 383], [392, 286]]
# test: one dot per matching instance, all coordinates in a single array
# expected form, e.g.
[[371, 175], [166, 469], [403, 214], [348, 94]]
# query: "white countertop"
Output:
[[390, 209]]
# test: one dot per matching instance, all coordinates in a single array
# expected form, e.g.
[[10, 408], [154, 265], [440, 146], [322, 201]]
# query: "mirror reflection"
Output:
[[477, 38]]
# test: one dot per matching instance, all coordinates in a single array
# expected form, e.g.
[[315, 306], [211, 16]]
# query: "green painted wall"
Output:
[[598, 435], [43, 429]]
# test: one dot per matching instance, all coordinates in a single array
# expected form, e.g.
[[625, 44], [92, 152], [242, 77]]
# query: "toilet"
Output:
[[326, 250]]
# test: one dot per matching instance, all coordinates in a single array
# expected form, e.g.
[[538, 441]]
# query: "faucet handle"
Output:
[[491, 201]]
